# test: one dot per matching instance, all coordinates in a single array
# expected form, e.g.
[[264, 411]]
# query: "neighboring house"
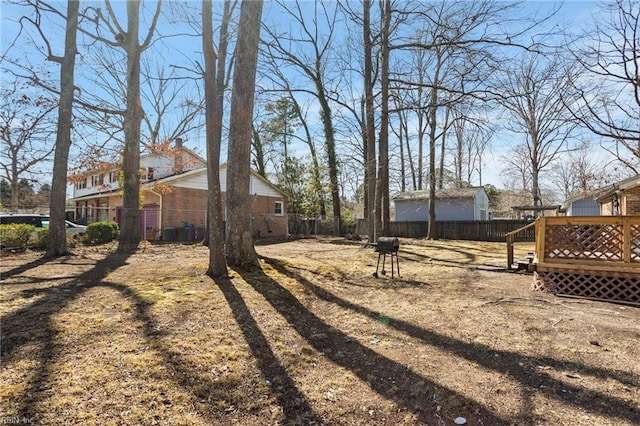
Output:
[[451, 204], [621, 198], [174, 196]]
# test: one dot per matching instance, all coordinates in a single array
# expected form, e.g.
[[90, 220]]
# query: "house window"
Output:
[[279, 208], [149, 175], [113, 176], [97, 180], [81, 184], [103, 210]]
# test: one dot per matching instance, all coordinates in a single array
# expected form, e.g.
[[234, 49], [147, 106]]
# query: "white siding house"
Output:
[[152, 167]]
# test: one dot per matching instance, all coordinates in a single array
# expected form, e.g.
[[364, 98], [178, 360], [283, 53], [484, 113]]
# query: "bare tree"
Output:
[[26, 127], [311, 64], [579, 173], [108, 30], [382, 204], [214, 86], [57, 240], [534, 93], [239, 249], [472, 136], [370, 127], [170, 108], [608, 92], [130, 227]]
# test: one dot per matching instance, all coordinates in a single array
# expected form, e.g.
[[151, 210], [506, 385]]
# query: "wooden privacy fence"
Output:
[[589, 256], [477, 230]]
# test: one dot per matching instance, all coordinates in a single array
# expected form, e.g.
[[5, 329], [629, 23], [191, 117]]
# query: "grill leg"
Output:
[[375, 274], [384, 262], [391, 255], [397, 264], [394, 268]]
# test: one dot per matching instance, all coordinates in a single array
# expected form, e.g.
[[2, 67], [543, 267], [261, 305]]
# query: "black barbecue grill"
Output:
[[387, 246]]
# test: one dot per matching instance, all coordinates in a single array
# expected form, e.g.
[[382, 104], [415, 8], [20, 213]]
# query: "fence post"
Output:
[[541, 223], [626, 240], [509, 251]]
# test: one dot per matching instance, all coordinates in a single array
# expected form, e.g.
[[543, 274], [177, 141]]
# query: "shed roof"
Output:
[[441, 194], [589, 195]]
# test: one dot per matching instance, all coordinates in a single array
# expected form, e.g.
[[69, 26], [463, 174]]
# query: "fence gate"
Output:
[[149, 226]]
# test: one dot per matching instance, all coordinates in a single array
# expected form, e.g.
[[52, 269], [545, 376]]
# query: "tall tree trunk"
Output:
[[239, 248], [443, 148], [15, 186], [433, 121], [402, 120], [214, 112], [535, 182], [57, 240], [332, 161], [317, 181], [370, 136], [130, 228], [431, 232], [403, 174], [459, 132], [382, 188]]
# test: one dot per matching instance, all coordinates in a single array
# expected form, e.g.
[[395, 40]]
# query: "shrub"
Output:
[[41, 237], [101, 232], [15, 235]]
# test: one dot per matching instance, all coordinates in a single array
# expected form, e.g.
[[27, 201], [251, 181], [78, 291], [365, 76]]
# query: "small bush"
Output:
[[15, 236], [101, 232], [41, 237]]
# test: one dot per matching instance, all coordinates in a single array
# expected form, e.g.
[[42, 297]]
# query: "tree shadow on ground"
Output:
[[522, 368], [427, 400], [294, 405], [23, 268], [34, 323]]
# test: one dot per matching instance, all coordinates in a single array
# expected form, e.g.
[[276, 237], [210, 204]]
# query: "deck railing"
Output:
[[511, 236], [594, 257], [594, 243]]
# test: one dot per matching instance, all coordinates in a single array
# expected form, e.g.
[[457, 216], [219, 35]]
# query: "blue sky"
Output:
[[573, 14]]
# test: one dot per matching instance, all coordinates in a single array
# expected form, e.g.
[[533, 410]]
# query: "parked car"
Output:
[[40, 221]]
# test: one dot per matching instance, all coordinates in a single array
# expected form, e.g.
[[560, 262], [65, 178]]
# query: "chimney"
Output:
[[178, 156]]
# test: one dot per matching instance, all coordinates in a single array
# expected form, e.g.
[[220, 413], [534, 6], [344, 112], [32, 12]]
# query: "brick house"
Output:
[[621, 198], [173, 194]]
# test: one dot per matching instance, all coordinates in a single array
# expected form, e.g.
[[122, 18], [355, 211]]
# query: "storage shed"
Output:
[[453, 204]]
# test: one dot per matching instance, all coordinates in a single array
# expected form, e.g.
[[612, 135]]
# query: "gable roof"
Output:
[[628, 183], [441, 194], [203, 170], [589, 195]]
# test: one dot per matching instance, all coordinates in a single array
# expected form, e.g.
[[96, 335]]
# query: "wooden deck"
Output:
[[589, 256]]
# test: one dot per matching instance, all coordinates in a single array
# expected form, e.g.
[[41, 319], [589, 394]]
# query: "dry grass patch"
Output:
[[311, 338]]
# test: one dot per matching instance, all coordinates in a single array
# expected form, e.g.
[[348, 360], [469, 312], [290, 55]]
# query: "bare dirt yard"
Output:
[[313, 338]]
